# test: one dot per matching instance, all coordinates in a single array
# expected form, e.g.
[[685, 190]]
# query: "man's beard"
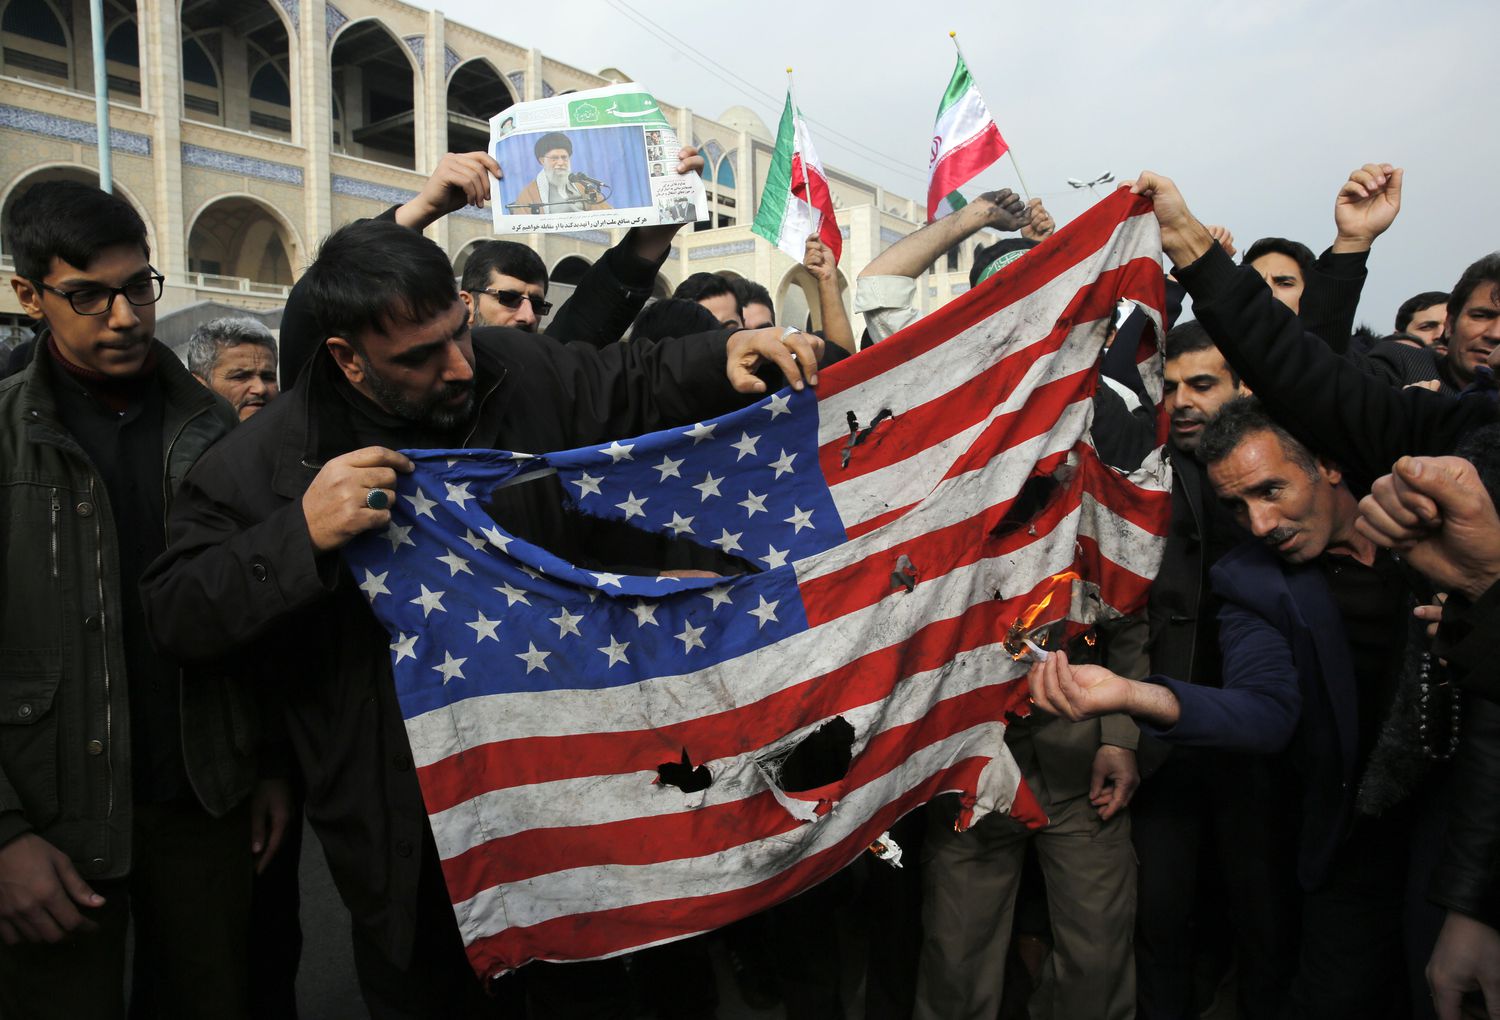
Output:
[[435, 412], [557, 180]]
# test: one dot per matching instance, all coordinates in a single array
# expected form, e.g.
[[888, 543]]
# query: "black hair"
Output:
[[1412, 305], [373, 272], [552, 140], [1486, 270], [1014, 247], [70, 221], [1189, 338], [508, 258], [1294, 250], [751, 293], [1237, 421], [702, 286], [672, 317]]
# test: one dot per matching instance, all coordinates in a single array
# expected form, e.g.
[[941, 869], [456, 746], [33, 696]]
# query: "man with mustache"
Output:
[[553, 190], [236, 358], [1191, 797], [1312, 633]]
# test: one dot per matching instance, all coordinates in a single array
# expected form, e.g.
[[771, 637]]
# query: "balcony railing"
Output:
[[236, 284]]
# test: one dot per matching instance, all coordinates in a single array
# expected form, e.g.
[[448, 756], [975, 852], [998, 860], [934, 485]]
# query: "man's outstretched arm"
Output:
[[613, 290], [914, 254], [1324, 400]]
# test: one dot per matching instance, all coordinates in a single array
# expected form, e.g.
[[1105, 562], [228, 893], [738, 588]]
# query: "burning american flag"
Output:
[[606, 759]]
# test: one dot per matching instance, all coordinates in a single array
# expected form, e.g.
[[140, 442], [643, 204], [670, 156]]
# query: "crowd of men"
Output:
[[1279, 783]]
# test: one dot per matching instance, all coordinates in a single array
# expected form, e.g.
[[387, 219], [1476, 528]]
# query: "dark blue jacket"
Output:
[[1288, 684]]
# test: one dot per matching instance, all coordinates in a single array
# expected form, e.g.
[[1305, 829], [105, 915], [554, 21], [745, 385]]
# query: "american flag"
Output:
[[546, 704]]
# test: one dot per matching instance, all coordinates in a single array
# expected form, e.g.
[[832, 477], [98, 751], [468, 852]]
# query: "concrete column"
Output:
[[315, 119], [83, 50], [162, 68], [435, 87], [745, 199], [533, 74], [234, 82]]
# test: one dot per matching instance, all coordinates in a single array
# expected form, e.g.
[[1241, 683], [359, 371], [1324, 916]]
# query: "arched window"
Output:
[[476, 92], [35, 45], [202, 98], [124, 45], [269, 86], [33, 19], [236, 73], [122, 61], [374, 80], [197, 67], [724, 176]]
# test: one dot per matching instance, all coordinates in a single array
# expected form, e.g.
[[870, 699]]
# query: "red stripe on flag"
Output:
[[862, 681], [701, 831], [962, 164], [1074, 243], [609, 932], [969, 403]]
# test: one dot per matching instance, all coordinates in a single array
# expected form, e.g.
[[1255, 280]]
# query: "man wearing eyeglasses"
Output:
[[505, 284], [123, 788]]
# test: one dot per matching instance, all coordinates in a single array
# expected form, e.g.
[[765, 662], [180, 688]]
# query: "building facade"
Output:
[[245, 131]]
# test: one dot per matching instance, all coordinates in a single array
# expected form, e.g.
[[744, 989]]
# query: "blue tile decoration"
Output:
[[336, 19], [712, 150], [518, 82], [547, 90], [84, 132], [418, 46], [889, 236], [718, 251], [958, 288], [450, 60], [844, 233], [468, 212], [356, 188], [293, 10], [234, 163]]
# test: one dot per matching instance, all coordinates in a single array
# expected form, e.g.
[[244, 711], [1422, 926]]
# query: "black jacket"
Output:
[[1366, 426], [1324, 400], [65, 706], [240, 579]]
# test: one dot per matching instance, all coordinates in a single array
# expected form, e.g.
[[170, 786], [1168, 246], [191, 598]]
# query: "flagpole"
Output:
[[791, 95], [1010, 150]]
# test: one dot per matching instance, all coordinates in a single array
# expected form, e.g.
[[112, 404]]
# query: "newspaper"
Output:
[[588, 161]]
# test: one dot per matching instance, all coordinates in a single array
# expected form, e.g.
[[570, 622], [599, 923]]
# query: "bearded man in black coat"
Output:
[[253, 580]]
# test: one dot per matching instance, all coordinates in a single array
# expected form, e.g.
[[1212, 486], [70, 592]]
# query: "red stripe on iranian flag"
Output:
[[962, 164]]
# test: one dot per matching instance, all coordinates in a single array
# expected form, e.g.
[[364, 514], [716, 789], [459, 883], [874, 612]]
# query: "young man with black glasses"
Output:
[[123, 786]]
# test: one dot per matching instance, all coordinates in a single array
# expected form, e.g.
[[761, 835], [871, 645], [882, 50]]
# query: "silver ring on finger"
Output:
[[378, 499]]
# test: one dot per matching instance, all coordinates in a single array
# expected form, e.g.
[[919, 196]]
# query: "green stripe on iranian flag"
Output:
[[965, 139]]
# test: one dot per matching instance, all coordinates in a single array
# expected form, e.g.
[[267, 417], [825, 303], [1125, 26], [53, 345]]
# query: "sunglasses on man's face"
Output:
[[513, 299]]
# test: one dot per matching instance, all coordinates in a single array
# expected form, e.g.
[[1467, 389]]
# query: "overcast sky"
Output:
[[1258, 108]]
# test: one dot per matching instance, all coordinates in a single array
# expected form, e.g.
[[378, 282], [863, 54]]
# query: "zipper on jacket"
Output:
[[109, 708], [56, 509]]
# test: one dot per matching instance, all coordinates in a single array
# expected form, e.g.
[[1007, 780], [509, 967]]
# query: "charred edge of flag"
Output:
[[858, 435], [684, 775], [905, 574]]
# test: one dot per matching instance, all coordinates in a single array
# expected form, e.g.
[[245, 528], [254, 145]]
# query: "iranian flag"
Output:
[[965, 140], [796, 201]]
